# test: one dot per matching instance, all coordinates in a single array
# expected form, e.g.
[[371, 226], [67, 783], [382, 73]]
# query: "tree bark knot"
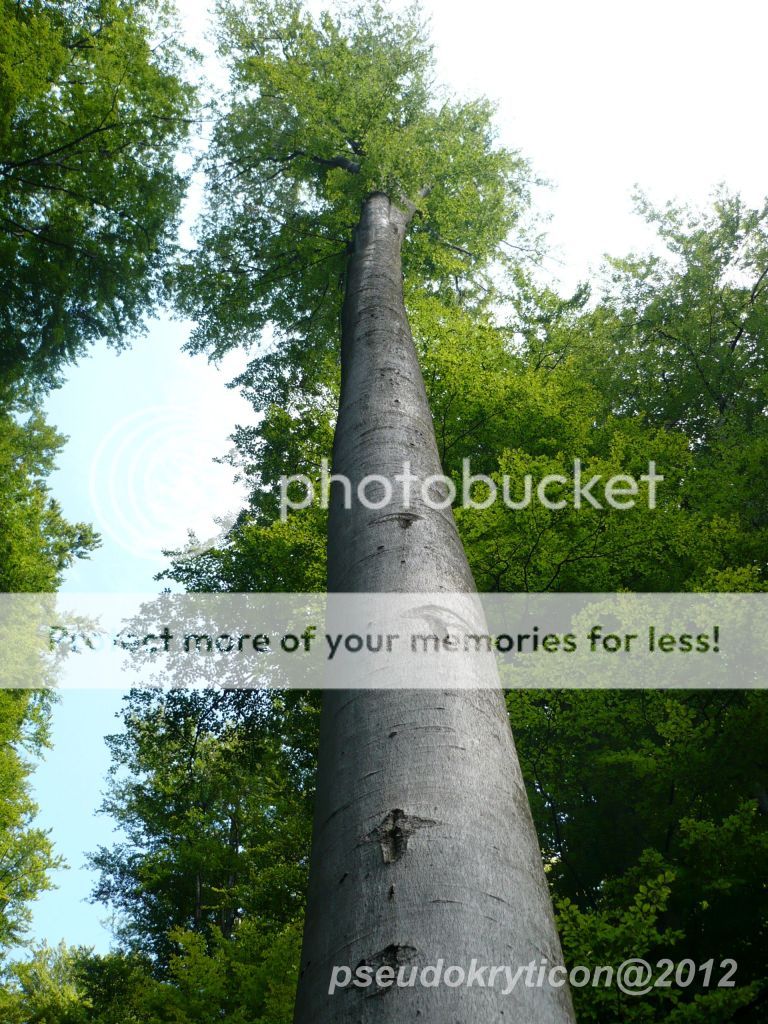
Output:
[[393, 833], [394, 956], [403, 519]]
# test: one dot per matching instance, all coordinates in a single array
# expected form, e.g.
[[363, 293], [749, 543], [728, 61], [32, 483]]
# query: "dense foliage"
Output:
[[93, 108]]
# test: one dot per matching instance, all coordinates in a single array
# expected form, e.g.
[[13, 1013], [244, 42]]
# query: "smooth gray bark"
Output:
[[424, 847]]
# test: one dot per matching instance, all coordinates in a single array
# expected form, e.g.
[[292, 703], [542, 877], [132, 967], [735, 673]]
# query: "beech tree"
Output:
[[337, 172]]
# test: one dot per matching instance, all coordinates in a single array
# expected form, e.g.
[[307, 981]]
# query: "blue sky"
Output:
[[107, 398], [599, 96]]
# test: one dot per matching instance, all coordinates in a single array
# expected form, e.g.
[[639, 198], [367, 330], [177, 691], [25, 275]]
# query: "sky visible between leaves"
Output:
[[600, 95]]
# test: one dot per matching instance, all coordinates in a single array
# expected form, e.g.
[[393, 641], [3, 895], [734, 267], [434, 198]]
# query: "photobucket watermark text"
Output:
[[478, 490]]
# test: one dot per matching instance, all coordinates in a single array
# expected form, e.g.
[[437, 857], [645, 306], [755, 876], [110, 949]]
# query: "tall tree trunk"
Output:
[[424, 847]]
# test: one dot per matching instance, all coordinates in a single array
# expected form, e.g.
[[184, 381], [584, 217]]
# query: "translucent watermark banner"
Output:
[[351, 641]]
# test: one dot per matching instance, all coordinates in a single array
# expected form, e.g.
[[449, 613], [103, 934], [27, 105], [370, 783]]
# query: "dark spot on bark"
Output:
[[380, 547], [391, 892], [393, 833], [345, 875], [403, 519], [394, 955], [394, 733]]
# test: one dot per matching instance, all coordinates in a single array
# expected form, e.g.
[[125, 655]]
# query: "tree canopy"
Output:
[[93, 107], [323, 111]]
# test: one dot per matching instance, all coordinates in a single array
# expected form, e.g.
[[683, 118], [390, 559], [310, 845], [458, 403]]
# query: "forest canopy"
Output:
[[651, 807]]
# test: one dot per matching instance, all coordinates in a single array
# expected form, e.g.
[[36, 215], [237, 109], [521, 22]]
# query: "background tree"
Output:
[[210, 791], [93, 107], [37, 544], [26, 853]]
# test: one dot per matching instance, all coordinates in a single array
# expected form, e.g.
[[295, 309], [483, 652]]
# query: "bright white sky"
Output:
[[603, 94], [600, 95]]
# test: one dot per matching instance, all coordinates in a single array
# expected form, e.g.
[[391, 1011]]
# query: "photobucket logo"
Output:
[[152, 467], [553, 491]]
